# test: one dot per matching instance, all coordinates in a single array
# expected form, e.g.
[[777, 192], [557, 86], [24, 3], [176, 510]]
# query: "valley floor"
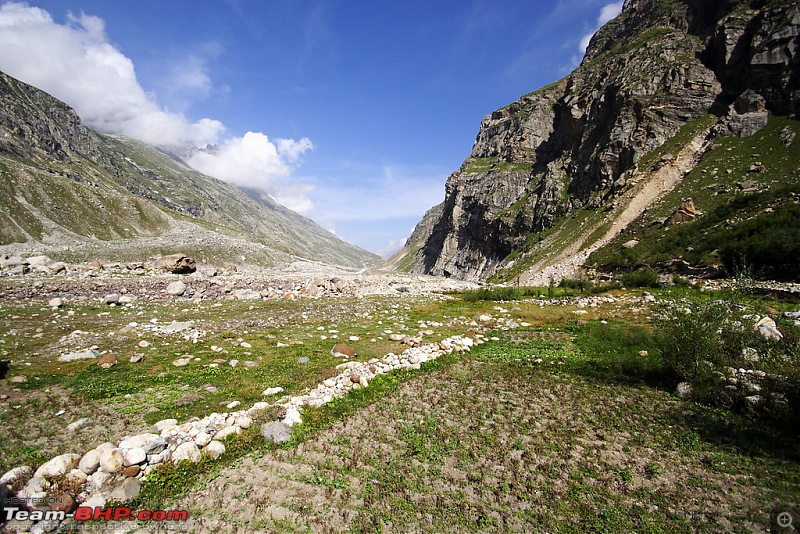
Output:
[[560, 418]]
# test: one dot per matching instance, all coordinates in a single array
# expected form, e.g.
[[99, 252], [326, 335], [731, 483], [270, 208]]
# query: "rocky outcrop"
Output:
[[576, 144]]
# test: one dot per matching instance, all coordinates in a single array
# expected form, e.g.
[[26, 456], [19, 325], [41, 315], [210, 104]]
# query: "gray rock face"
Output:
[[569, 145]]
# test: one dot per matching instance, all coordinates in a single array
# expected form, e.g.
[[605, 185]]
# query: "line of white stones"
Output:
[[114, 471]]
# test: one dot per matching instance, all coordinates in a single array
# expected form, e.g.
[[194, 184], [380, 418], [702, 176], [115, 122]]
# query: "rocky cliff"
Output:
[[68, 190], [573, 149]]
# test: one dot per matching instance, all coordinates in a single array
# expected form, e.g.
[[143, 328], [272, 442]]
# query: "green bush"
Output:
[[642, 278], [581, 283], [706, 343], [486, 293]]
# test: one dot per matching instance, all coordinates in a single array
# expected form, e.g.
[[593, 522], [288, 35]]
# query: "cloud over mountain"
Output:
[[76, 63]]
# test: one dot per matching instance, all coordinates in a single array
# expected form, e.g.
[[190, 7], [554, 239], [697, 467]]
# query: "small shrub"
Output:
[[705, 343], [486, 293], [580, 283], [642, 278]]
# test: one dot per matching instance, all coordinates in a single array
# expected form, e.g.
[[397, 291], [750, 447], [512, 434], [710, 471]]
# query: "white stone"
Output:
[[139, 440], [55, 303], [90, 461], [292, 417], [165, 423], [18, 473], [134, 456], [58, 466], [272, 391], [244, 421], [99, 478], [233, 405], [86, 354], [227, 431], [95, 501], [202, 439], [111, 461], [186, 451], [215, 449], [259, 406], [176, 288], [80, 423]]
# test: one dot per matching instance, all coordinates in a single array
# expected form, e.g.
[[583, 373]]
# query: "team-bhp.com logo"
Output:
[[87, 513]]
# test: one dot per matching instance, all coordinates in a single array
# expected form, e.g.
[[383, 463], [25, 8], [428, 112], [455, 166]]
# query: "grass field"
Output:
[[563, 421]]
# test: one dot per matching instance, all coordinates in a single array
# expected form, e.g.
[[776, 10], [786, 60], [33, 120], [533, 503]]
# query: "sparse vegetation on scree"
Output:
[[565, 419]]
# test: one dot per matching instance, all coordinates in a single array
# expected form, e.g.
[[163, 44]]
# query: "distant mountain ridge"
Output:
[[72, 191], [566, 169]]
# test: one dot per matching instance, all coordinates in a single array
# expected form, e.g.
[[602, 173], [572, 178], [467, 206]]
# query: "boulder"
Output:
[[111, 460], [83, 422], [749, 102], [176, 264], [215, 449], [276, 432], [107, 360], [686, 212], [58, 466], [18, 474], [127, 491], [768, 329], [133, 456], [186, 451], [90, 461], [176, 289]]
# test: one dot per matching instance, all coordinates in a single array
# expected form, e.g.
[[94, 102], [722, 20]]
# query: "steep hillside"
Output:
[[561, 171], [82, 194]]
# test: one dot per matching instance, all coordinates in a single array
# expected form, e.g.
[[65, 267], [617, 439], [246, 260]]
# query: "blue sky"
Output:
[[351, 112]]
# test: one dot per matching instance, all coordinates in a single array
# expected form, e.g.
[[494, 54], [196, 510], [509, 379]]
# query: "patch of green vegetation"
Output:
[[479, 165], [748, 220]]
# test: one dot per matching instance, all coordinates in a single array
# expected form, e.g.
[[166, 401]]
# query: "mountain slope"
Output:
[[564, 169], [70, 188]]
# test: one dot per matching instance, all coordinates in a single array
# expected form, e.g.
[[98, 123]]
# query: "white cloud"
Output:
[[291, 149], [75, 63], [254, 161], [607, 12]]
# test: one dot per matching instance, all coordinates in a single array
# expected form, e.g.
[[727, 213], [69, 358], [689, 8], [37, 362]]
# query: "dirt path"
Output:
[[635, 202]]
